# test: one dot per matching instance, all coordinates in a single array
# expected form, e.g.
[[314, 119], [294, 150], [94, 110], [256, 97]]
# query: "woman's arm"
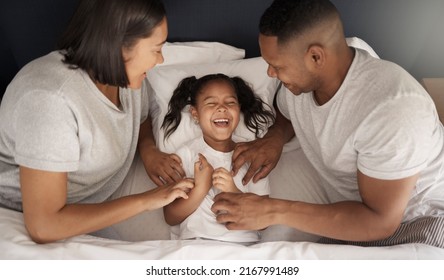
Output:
[[180, 209], [49, 218], [162, 168]]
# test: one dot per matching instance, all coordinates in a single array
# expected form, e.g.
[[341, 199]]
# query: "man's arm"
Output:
[[376, 217]]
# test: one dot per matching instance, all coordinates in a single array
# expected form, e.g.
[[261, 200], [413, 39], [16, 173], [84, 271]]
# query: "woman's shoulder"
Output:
[[47, 74]]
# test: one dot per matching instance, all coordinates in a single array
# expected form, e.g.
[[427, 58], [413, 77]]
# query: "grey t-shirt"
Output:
[[54, 118]]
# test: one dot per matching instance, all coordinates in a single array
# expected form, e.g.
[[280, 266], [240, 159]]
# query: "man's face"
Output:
[[287, 64]]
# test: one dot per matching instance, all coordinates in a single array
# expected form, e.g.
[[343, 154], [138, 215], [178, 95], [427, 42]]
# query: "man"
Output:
[[367, 126]]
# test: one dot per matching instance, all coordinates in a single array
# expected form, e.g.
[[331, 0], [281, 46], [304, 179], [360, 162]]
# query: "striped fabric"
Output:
[[426, 230]]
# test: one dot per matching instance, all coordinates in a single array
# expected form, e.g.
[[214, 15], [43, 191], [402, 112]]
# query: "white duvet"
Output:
[[278, 242]]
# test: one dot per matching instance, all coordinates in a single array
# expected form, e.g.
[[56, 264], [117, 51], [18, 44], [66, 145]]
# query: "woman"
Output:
[[69, 124]]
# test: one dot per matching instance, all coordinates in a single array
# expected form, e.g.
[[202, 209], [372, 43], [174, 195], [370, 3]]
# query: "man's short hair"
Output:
[[286, 19]]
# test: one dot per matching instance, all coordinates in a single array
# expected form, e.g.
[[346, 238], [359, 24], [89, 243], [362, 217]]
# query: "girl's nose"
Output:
[[221, 108]]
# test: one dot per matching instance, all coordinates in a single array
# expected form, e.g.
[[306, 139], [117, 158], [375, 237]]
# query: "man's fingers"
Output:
[[223, 218], [262, 173], [221, 203], [252, 170], [238, 163], [240, 148]]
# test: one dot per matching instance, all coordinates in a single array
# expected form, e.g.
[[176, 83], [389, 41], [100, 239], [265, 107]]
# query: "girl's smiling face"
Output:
[[217, 110]]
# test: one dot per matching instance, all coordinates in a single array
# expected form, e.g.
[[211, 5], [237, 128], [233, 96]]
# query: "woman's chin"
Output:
[[136, 84]]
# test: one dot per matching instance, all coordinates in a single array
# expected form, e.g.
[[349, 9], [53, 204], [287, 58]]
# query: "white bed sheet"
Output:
[[278, 242]]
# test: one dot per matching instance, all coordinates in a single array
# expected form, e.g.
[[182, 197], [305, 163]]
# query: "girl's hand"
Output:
[[163, 168], [223, 180], [165, 194], [202, 172]]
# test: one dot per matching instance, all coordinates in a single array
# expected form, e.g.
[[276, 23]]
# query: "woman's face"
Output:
[[144, 55], [217, 111]]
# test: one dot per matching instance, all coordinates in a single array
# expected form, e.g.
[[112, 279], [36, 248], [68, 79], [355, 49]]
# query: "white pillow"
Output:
[[199, 52], [165, 79], [361, 44]]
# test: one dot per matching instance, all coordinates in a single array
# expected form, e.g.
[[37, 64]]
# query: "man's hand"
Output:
[[261, 154], [242, 211]]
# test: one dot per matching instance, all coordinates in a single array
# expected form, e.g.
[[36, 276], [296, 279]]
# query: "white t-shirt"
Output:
[[382, 122], [202, 222], [54, 118]]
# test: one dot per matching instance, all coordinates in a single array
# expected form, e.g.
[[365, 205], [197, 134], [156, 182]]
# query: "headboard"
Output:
[[29, 29], [403, 31]]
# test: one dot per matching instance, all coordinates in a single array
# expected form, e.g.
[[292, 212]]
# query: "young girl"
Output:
[[216, 102]]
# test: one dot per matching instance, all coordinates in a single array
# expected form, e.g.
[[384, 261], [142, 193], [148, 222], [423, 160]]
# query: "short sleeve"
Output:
[[395, 141], [46, 133], [185, 155], [145, 100], [261, 187]]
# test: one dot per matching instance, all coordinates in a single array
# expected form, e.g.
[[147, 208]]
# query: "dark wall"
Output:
[[408, 32]]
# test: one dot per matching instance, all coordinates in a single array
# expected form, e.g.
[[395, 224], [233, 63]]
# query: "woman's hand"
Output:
[[223, 180], [163, 168], [165, 194]]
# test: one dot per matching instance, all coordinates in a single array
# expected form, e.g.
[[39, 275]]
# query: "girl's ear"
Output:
[[194, 114]]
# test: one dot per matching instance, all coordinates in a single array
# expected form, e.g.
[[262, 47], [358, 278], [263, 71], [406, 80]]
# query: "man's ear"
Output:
[[315, 56]]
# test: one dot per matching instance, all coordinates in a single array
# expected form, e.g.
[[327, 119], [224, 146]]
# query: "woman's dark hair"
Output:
[[98, 31], [287, 19], [258, 116]]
